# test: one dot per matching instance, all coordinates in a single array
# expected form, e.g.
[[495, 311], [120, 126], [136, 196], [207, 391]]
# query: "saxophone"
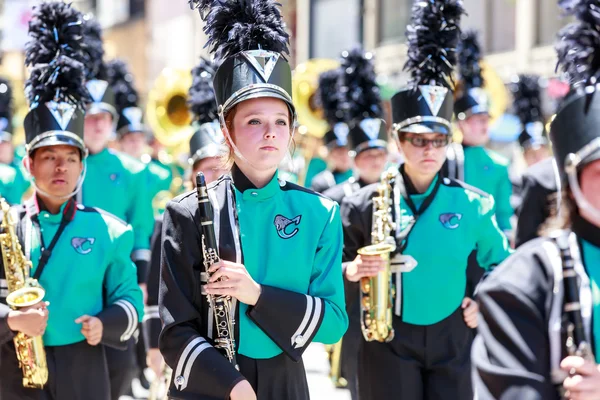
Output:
[[377, 292], [23, 291], [222, 306]]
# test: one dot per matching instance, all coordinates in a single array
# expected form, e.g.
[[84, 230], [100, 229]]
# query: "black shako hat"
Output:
[[527, 105], [471, 98]]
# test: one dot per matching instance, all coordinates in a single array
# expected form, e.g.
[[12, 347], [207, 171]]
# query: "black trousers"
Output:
[[350, 348], [75, 372], [421, 363], [122, 369], [277, 378]]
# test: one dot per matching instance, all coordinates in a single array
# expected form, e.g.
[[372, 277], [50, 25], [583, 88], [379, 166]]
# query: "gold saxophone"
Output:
[[23, 291], [377, 292]]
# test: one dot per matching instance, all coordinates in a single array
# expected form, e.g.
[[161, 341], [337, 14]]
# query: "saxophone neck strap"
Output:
[[45, 252]]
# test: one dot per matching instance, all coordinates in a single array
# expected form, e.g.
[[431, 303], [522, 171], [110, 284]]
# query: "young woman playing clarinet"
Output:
[[279, 244], [539, 332]]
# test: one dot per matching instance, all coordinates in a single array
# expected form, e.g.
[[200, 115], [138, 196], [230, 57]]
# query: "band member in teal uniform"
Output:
[[336, 138], [13, 183], [539, 333], [368, 140], [115, 182], [536, 193], [80, 255], [279, 309], [471, 162], [428, 354], [207, 149]]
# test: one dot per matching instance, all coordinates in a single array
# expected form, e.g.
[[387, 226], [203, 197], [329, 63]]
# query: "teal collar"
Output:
[[249, 191], [37, 207]]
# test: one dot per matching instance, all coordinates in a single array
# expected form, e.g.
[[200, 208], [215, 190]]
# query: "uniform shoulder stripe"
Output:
[[460, 184], [81, 207], [292, 186]]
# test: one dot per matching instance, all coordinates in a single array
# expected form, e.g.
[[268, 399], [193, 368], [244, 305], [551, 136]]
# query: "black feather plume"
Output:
[[432, 40], [201, 96], [469, 56], [93, 47], [527, 99], [121, 81], [328, 96], [203, 6], [6, 100], [54, 53], [239, 25], [578, 47], [361, 95]]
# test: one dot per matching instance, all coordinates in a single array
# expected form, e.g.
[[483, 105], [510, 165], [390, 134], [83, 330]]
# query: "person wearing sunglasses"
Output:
[[438, 223]]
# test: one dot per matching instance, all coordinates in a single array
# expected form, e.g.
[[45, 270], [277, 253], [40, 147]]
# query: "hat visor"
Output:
[[594, 156], [426, 127], [208, 151], [60, 140], [260, 91], [99, 108]]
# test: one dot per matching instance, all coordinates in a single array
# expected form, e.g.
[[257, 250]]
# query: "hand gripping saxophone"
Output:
[[221, 305], [23, 291], [377, 292]]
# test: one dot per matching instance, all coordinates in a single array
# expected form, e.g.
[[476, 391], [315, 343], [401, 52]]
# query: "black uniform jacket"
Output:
[[538, 199], [521, 337]]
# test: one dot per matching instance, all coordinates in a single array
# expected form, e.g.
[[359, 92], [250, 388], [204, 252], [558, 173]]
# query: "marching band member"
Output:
[[116, 183], [207, 148], [336, 138], [368, 139], [429, 354], [470, 161], [537, 190], [259, 221], [13, 183], [548, 290], [89, 279]]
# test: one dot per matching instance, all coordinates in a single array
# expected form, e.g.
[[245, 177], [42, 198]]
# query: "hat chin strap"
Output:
[[582, 202], [237, 152], [65, 197]]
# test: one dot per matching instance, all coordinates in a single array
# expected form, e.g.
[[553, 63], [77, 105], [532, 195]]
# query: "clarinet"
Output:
[[576, 343], [221, 305]]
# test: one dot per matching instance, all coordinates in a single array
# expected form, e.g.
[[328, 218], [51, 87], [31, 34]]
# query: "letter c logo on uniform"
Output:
[[450, 220], [81, 244]]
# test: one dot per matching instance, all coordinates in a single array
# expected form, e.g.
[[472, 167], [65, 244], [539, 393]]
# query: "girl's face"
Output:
[[261, 131], [424, 153]]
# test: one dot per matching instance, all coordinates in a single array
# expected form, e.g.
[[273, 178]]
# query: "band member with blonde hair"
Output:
[[279, 308]]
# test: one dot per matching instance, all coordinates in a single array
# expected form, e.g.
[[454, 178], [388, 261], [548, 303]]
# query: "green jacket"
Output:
[[118, 183], [89, 272], [459, 219], [13, 183]]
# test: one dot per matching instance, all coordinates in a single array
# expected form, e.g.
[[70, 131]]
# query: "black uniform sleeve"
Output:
[[199, 370], [511, 353], [533, 210], [6, 334], [293, 320], [356, 213], [152, 325]]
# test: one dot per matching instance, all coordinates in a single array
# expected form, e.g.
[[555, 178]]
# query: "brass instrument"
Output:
[[160, 384], [334, 353], [377, 293], [167, 113], [23, 291], [311, 124]]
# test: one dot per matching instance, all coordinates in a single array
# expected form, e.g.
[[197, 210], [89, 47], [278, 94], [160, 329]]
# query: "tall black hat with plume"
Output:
[[362, 101], [207, 140], [101, 93], [471, 98], [249, 38], [527, 105], [574, 132], [55, 88], [6, 111], [426, 105], [328, 95], [126, 98]]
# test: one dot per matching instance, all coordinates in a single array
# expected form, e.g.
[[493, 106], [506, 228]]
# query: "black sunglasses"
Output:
[[419, 141]]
